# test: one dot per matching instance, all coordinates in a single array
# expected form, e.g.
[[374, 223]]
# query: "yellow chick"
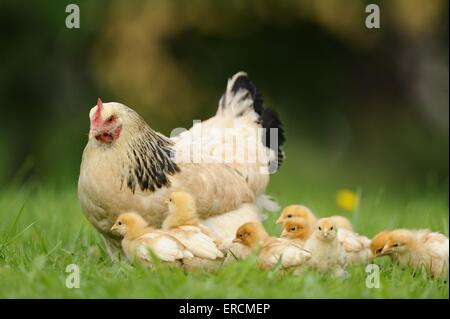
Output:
[[297, 211], [183, 224], [419, 249], [327, 251], [273, 251], [303, 212], [342, 222], [138, 239], [357, 247]]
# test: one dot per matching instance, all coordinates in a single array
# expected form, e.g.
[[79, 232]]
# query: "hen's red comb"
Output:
[[99, 104], [98, 112]]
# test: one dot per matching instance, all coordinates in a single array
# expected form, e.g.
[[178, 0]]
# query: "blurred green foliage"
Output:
[[359, 105]]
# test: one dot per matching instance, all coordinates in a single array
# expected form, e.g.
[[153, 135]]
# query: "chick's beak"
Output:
[[279, 220], [236, 240], [114, 227], [284, 233], [385, 250]]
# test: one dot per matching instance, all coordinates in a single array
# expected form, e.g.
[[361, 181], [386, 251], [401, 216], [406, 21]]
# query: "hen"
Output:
[[127, 166]]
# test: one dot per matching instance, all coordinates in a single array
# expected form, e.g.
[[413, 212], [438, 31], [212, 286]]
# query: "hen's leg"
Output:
[[113, 248]]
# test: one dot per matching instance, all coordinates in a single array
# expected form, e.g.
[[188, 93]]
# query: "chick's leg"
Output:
[[113, 248]]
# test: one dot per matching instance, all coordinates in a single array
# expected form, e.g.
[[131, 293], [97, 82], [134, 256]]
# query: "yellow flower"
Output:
[[347, 199]]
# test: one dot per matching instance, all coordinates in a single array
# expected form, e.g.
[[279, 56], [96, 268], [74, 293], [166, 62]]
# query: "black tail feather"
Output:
[[270, 120], [268, 117]]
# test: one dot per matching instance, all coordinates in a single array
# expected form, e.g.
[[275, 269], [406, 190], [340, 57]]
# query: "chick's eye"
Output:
[[241, 235], [289, 216], [119, 223], [379, 250], [293, 229], [331, 228], [320, 228], [395, 245]]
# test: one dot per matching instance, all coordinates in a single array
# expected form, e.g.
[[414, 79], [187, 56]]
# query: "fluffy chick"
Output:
[[138, 240], [248, 239], [327, 251], [377, 243], [303, 212], [299, 212], [273, 250], [183, 224], [357, 247], [419, 249], [342, 222], [296, 229]]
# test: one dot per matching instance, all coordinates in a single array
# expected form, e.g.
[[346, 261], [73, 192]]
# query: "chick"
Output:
[[357, 247], [377, 243], [273, 251], [299, 212], [296, 229], [183, 224], [303, 212], [342, 222], [138, 239], [419, 249], [249, 238], [327, 252]]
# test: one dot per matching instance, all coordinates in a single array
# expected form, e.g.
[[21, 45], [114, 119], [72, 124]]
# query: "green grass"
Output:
[[42, 230]]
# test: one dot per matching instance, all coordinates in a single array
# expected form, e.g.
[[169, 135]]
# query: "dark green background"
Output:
[[361, 107]]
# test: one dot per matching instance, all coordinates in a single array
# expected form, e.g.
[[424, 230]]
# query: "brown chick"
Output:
[[249, 238], [377, 243], [138, 240], [419, 249], [182, 223], [273, 250]]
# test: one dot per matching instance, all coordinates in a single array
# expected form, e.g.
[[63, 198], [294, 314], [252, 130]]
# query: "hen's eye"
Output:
[[110, 119]]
